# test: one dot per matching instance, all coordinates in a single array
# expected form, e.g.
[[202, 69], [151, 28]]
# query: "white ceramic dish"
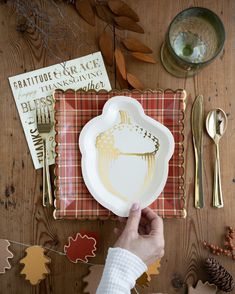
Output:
[[125, 155]]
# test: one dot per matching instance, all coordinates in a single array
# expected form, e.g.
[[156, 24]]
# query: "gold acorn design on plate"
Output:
[[120, 145]]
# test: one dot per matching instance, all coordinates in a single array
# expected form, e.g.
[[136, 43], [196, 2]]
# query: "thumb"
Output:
[[134, 218]]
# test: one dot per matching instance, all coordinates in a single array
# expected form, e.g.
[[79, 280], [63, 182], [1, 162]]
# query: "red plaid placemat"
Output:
[[73, 109]]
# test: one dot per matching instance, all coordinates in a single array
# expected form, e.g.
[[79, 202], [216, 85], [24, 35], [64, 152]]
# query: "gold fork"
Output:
[[44, 125]]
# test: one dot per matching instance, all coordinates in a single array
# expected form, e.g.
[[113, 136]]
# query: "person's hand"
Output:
[[142, 235]]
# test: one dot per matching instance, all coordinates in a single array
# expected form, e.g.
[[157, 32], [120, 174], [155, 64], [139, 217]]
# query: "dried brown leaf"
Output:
[[106, 47], [135, 45], [121, 8], [122, 83], [143, 57], [134, 82], [104, 13], [85, 10], [120, 61], [128, 24]]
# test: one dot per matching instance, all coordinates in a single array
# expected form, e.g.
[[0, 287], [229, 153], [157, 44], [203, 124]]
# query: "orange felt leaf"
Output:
[[104, 13], [93, 278], [85, 10], [121, 8], [35, 267], [143, 57], [143, 280], [5, 254], [134, 82], [128, 24], [120, 61], [153, 269], [201, 288], [135, 45], [80, 248], [106, 47]]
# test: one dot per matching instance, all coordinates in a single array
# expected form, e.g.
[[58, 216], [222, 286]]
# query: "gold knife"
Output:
[[197, 129]]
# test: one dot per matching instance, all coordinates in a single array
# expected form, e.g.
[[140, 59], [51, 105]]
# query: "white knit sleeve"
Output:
[[121, 270]]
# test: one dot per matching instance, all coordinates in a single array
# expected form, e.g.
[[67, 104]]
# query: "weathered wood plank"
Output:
[[23, 218]]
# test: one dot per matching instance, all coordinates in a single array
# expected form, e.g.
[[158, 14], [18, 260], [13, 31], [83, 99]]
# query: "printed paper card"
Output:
[[34, 90]]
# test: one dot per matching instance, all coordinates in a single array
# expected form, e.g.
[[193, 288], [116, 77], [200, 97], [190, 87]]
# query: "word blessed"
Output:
[[42, 102], [56, 74]]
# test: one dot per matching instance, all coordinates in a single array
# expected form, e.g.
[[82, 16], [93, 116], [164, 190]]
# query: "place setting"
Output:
[[99, 149]]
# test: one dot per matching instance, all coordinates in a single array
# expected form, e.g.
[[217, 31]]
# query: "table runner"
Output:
[[73, 109]]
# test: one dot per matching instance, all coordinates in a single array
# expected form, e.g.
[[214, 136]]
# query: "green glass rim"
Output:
[[220, 23]]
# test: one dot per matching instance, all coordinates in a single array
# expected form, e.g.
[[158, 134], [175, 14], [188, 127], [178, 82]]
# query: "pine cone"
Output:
[[218, 275]]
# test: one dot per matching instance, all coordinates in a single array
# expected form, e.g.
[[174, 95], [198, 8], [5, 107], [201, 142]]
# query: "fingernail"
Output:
[[135, 206]]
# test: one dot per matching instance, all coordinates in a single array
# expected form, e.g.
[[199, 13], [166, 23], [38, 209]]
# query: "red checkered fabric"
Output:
[[72, 111]]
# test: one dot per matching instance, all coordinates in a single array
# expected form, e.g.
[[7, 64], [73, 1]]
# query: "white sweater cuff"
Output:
[[121, 270]]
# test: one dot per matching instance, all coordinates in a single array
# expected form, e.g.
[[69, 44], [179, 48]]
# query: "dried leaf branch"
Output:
[[115, 13]]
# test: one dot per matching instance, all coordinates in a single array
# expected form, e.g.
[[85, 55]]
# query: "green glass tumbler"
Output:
[[195, 37]]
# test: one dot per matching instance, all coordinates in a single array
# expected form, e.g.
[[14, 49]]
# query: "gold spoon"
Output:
[[216, 124]]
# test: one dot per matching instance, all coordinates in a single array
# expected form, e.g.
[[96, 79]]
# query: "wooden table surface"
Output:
[[22, 217]]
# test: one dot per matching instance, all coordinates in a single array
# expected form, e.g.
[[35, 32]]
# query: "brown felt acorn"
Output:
[[218, 275]]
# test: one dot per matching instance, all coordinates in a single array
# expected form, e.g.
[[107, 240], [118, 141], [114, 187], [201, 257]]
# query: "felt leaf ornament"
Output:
[[5, 254], [35, 264], [202, 288], [93, 278], [153, 269], [80, 248], [143, 280]]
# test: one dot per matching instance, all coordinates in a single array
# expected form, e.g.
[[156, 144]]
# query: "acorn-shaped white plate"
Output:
[[125, 155]]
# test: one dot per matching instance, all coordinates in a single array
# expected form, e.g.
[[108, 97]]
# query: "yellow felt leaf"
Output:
[[143, 280], [35, 267], [153, 269]]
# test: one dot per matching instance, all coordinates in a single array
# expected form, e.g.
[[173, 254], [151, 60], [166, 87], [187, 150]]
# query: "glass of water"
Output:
[[194, 39]]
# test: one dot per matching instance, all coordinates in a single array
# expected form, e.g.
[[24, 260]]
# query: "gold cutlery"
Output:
[[44, 125], [216, 124], [197, 130]]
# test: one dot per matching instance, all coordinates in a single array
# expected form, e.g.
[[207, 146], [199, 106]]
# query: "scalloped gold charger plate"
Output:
[[73, 109]]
